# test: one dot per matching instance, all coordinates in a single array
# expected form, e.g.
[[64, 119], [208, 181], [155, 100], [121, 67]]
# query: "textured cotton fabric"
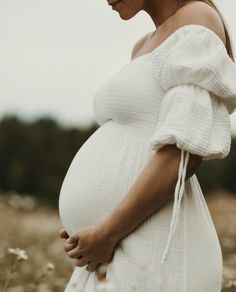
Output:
[[180, 93]]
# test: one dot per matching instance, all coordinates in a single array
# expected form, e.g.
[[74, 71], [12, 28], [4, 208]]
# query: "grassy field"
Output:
[[32, 227]]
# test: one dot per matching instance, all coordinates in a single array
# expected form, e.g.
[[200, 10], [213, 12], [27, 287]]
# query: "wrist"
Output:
[[109, 231]]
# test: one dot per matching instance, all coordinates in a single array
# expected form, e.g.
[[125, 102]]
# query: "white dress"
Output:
[[180, 93]]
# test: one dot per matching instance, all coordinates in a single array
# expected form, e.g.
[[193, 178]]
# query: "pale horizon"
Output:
[[55, 55]]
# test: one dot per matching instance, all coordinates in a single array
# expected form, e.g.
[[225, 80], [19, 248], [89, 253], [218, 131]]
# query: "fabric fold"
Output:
[[179, 191], [200, 57], [199, 82], [194, 120]]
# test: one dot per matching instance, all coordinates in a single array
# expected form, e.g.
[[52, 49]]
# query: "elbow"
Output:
[[193, 165], [167, 162], [171, 152]]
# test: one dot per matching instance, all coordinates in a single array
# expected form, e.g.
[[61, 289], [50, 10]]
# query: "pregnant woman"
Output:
[[130, 199]]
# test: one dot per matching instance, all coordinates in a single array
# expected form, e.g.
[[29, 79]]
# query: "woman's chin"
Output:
[[124, 15], [123, 11]]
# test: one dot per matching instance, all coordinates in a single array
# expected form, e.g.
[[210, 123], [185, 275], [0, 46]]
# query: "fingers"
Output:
[[63, 233], [69, 246], [74, 252], [92, 266], [81, 262], [73, 238]]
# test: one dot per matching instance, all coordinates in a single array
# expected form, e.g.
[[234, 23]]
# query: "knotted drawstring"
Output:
[[179, 191]]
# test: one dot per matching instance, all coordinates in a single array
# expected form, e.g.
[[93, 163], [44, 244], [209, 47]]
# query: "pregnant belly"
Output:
[[99, 175]]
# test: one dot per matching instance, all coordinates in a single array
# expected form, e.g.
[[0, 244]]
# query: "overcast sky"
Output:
[[54, 54]]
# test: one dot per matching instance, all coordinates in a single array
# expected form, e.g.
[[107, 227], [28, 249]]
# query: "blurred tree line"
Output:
[[35, 156]]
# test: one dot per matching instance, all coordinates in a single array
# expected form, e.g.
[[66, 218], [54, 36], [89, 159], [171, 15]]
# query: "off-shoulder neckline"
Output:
[[175, 33]]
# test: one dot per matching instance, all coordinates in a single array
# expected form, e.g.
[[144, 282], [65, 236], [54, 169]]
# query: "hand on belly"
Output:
[[89, 246]]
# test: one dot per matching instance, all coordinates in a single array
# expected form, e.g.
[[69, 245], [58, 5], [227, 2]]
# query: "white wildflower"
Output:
[[105, 286], [21, 254], [17, 201], [50, 266], [230, 284], [101, 271]]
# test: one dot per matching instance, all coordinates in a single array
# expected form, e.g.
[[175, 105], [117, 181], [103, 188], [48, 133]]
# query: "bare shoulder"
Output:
[[139, 44], [198, 12]]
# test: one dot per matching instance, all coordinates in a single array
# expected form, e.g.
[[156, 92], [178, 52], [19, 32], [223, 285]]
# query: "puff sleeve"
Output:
[[199, 82]]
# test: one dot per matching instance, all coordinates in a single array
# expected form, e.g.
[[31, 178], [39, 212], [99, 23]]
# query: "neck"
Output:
[[162, 11]]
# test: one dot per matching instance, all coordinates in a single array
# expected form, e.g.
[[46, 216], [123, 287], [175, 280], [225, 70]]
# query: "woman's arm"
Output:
[[154, 186]]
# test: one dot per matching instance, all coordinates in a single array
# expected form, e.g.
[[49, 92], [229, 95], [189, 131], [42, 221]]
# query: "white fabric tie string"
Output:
[[179, 191]]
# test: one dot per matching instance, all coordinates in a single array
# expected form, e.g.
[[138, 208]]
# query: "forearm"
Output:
[[155, 185]]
